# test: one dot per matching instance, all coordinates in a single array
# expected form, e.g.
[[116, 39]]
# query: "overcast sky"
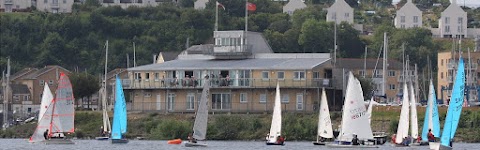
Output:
[[468, 3]]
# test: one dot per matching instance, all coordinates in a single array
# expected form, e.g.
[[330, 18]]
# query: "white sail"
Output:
[[107, 127], [402, 130], [47, 98], [413, 113], [276, 127], [354, 118], [324, 122], [201, 118], [369, 110], [43, 124]]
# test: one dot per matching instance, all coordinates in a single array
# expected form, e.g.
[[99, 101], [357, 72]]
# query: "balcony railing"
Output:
[[8, 2], [172, 83]]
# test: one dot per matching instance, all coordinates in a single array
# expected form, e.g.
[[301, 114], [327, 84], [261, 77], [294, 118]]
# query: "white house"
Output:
[[55, 6], [409, 16], [293, 5], [136, 3], [14, 5], [200, 4], [453, 21], [340, 11]]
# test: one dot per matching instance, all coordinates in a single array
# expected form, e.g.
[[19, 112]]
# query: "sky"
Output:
[[468, 3]]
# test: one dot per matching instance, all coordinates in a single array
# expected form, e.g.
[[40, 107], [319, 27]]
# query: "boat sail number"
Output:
[[357, 112]]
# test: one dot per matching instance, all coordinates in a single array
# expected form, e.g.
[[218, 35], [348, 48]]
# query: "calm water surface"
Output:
[[22, 144]]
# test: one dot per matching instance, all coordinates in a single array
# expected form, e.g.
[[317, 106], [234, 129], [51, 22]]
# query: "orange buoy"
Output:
[[175, 141]]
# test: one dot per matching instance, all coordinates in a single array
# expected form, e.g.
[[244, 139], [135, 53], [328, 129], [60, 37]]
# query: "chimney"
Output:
[[154, 59]]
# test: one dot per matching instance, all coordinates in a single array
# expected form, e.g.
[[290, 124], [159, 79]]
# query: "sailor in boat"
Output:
[[394, 137], [191, 139], [45, 134], [431, 137], [355, 140], [321, 139], [280, 140], [419, 139], [102, 133], [268, 135]]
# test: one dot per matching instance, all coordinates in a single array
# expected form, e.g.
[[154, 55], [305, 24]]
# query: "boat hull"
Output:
[[174, 141], [103, 138], [334, 145], [400, 145], [58, 141], [380, 139], [423, 143], [280, 144], [320, 143], [119, 141], [189, 144], [438, 146]]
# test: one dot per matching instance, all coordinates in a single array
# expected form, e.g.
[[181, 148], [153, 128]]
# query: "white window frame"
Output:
[[190, 101], [415, 19], [147, 76], [391, 86], [402, 19], [157, 76], [171, 101], [299, 75], [267, 75], [316, 75], [147, 94], [300, 101], [243, 98], [42, 82], [50, 82], [263, 98], [283, 75], [137, 75], [391, 73], [285, 98]]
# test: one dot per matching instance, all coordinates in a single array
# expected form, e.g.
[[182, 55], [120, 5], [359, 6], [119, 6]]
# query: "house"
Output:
[[21, 101], [166, 56], [136, 3], [453, 21], [55, 6], [293, 5], [409, 16], [243, 73], [447, 66], [15, 5], [200, 4], [340, 11], [373, 69]]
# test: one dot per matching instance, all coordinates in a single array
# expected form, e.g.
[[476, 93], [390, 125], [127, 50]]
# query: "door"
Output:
[[159, 102]]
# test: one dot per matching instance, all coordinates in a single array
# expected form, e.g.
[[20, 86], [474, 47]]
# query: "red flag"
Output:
[[220, 5], [251, 6]]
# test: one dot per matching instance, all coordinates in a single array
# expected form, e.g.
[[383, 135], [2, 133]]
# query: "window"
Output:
[[391, 86], [280, 75], [402, 19], [299, 101], [64, 1], [316, 75], [136, 94], [361, 73], [441, 75], [45, 1], [41, 96], [16, 97], [299, 75], [441, 62], [26, 98], [137, 76], [447, 29], [459, 29], [55, 2], [190, 101], [263, 98], [265, 75], [157, 76], [42, 82], [334, 16], [391, 73], [285, 98], [447, 20], [415, 25], [402, 26], [347, 15], [460, 20], [50, 82], [147, 94], [147, 76], [221, 101], [243, 98], [415, 19], [171, 101]]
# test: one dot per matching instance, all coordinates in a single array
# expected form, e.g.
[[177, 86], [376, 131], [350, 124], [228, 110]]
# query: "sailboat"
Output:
[[454, 110], [107, 128], [431, 121], [119, 127], [413, 113], [403, 123], [58, 117], [354, 118], [276, 127], [201, 118], [324, 122]]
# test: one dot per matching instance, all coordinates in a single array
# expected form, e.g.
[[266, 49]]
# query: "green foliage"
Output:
[[367, 87], [84, 85], [171, 129], [393, 126]]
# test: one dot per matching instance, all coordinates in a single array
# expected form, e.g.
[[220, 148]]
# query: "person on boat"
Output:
[[451, 143], [280, 140], [321, 139], [45, 134], [102, 133], [268, 136], [394, 137], [431, 137], [355, 140], [404, 141], [191, 139], [419, 139]]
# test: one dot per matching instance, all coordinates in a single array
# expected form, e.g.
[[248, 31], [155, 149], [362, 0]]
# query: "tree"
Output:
[[316, 36], [367, 87], [84, 85]]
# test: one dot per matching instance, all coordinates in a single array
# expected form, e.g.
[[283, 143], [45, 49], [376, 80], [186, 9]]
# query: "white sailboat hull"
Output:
[[189, 144], [58, 141], [335, 145], [438, 146]]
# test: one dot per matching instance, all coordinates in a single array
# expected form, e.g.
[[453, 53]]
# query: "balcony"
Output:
[[409, 78], [224, 83], [8, 2], [54, 5]]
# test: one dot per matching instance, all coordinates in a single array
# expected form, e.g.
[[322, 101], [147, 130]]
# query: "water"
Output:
[[23, 144]]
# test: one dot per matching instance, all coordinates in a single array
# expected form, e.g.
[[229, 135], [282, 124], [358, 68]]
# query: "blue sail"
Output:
[[119, 112], [435, 122], [455, 106]]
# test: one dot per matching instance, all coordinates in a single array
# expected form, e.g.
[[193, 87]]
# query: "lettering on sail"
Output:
[[357, 112], [327, 120]]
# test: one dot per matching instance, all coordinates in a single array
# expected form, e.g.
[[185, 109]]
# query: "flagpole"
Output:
[[216, 16], [246, 22]]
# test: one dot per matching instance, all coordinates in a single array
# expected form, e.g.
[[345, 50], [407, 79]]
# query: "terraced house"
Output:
[[243, 72]]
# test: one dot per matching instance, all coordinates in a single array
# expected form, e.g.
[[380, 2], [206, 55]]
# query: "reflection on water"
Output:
[[162, 145]]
